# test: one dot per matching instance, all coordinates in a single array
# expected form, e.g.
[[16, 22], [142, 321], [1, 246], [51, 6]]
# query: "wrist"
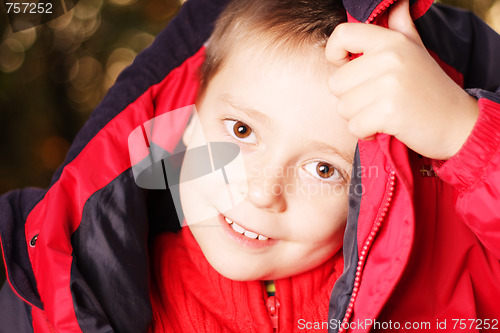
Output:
[[468, 164], [463, 124]]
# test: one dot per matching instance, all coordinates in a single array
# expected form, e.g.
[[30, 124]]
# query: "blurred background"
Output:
[[52, 76]]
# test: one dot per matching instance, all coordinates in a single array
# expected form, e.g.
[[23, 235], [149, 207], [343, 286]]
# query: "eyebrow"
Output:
[[250, 112], [261, 117], [349, 158]]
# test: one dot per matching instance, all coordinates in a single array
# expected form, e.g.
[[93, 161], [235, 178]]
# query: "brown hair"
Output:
[[283, 24]]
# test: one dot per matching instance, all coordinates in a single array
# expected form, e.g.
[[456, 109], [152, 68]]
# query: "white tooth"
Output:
[[250, 234], [228, 220], [263, 237], [237, 228]]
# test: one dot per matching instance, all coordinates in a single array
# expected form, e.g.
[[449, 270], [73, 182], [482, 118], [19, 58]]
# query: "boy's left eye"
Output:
[[322, 170], [240, 131]]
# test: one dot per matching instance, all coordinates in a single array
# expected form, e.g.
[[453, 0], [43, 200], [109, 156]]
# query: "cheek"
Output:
[[320, 219], [195, 200], [207, 196]]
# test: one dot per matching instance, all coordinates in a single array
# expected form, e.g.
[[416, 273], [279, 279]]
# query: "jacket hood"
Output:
[[382, 169], [375, 11], [63, 272]]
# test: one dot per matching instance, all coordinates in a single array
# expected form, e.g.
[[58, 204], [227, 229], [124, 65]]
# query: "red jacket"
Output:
[[189, 295], [427, 241], [418, 248]]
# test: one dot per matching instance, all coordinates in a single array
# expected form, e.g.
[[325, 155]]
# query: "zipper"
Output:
[[272, 304], [273, 307], [382, 213], [382, 7]]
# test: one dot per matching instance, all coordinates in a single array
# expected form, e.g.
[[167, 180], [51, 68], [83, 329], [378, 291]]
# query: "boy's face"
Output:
[[297, 153]]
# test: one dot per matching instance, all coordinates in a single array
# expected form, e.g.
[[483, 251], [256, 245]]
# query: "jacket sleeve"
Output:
[[467, 45], [475, 172]]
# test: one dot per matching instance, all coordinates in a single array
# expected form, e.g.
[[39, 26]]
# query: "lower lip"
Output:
[[244, 240]]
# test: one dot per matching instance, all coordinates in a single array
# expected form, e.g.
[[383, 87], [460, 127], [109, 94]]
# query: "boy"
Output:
[[261, 91], [263, 83], [405, 245]]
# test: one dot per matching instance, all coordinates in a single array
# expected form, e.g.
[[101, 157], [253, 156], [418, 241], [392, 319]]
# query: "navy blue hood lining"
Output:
[[458, 30], [341, 294], [15, 206], [361, 10]]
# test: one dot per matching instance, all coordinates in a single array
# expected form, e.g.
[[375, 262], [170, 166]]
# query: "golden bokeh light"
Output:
[[11, 55]]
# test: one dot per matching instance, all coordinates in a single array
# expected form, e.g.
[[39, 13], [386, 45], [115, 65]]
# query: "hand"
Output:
[[397, 88]]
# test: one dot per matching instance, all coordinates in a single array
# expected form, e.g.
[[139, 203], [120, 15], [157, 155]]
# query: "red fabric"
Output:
[[40, 322], [188, 295], [379, 14], [417, 10], [474, 172], [105, 157], [434, 260], [435, 257]]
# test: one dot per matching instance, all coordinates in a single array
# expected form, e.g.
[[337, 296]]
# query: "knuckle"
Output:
[[341, 107], [353, 128], [390, 81], [340, 31], [335, 39], [394, 58], [389, 112], [401, 39], [356, 127]]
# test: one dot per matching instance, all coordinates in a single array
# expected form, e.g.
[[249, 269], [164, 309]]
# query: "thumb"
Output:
[[400, 20]]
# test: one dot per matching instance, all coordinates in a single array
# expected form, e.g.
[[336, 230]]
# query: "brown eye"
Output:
[[241, 130], [325, 170]]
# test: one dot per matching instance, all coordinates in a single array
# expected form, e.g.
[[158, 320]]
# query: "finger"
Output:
[[400, 20], [358, 99], [335, 54], [350, 38], [364, 125], [358, 71], [378, 116]]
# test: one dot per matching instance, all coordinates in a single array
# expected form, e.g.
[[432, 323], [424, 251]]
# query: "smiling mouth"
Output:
[[242, 231]]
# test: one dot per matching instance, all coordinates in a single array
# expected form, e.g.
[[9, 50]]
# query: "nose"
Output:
[[267, 192]]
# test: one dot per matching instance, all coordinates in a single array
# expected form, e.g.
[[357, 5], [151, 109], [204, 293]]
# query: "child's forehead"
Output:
[[270, 54], [282, 95], [249, 68]]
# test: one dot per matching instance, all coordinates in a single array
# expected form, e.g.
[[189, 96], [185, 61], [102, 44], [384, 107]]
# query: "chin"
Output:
[[239, 272]]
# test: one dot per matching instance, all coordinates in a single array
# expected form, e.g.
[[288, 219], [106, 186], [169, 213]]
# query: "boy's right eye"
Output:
[[323, 171], [240, 131]]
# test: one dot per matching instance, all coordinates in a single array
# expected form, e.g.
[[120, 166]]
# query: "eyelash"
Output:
[[337, 175], [230, 125]]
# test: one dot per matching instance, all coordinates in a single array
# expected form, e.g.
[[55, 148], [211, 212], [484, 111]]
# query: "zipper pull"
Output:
[[273, 307]]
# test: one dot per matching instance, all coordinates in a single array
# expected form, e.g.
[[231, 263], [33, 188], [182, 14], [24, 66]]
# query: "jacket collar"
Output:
[[183, 279], [374, 11]]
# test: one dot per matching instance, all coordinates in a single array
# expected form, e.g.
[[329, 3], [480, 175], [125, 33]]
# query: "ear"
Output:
[[400, 20]]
